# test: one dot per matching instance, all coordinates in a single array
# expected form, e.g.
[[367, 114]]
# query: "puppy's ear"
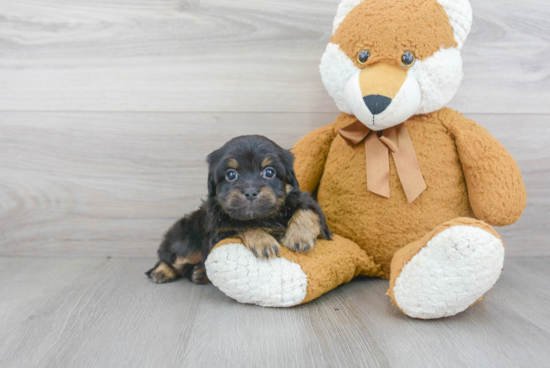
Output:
[[288, 161], [213, 160], [211, 185]]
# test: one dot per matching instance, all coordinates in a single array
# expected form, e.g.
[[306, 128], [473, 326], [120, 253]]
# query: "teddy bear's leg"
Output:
[[287, 280], [446, 271]]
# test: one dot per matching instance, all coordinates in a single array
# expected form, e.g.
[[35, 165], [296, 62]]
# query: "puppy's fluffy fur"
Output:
[[252, 194]]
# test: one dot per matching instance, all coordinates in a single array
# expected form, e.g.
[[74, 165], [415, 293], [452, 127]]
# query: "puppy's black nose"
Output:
[[377, 103], [251, 194]]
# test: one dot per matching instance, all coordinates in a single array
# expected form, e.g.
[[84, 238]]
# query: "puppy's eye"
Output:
[[408, 58], [269, 173], [363, 56], [231, 175]]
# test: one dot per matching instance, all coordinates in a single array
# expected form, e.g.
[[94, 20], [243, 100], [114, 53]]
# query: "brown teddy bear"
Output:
[[409, 187]]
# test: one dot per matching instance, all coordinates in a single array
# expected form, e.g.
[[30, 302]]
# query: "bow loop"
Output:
[[378, 145], [354, 133]]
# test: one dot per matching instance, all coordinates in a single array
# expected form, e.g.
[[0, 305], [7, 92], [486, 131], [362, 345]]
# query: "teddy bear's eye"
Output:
[[363, 56], [408, 58]]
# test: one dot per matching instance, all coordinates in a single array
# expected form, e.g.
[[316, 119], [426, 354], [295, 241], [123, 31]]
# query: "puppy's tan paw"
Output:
[[162, 274], [266, 251], [261, 244], [198, 276], [298, 245], [302, 232]]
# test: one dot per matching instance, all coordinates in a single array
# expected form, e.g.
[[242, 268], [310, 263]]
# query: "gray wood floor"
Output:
[[101, 312]]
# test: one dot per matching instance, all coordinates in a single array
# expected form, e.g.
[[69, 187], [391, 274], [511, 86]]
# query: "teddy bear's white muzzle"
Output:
[[379, 112]]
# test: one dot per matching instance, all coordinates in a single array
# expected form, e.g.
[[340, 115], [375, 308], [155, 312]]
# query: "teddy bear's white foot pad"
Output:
[[453, 270], [276, 282]]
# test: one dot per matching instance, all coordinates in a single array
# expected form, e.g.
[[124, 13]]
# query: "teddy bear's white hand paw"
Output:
[[276, 282], [453, 270]]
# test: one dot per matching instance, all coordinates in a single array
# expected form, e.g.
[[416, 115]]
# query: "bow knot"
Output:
[[378, 145]]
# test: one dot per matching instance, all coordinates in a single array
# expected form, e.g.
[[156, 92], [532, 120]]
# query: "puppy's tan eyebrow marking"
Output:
[[232, 163], [266, 162]]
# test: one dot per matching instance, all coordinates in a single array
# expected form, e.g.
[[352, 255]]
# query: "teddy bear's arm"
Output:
[[311, 153], [495, 187]]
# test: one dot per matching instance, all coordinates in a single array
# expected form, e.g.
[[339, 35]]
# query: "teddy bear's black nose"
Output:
[[377, 103]]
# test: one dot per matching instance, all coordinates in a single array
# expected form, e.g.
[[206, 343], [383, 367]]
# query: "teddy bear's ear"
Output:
[[458, 11], [213, 160], [344, 8], [460, 15]]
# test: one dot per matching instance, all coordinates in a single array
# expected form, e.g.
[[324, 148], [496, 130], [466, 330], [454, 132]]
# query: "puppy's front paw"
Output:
[[261, 244], [296, 243], [162, 273], [302, 232], [266, 251]]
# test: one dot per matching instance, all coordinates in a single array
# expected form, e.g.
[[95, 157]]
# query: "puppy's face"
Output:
[[250, 177]]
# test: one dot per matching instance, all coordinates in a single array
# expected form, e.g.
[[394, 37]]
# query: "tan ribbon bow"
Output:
[[377, 147]]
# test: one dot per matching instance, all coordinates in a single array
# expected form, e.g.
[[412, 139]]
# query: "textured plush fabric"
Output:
[[389, 29], [240, 275], [495, 187], [393, 27], [455, 268], [472, 181], [376, 235], [329, 264], [458, 11], [405, 254], [457, 157]]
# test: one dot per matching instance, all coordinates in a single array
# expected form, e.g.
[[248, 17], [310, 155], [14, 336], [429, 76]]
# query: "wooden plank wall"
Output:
[[108, 108]]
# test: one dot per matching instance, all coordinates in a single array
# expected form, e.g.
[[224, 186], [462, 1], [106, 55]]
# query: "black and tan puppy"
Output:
[[252, 194]]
